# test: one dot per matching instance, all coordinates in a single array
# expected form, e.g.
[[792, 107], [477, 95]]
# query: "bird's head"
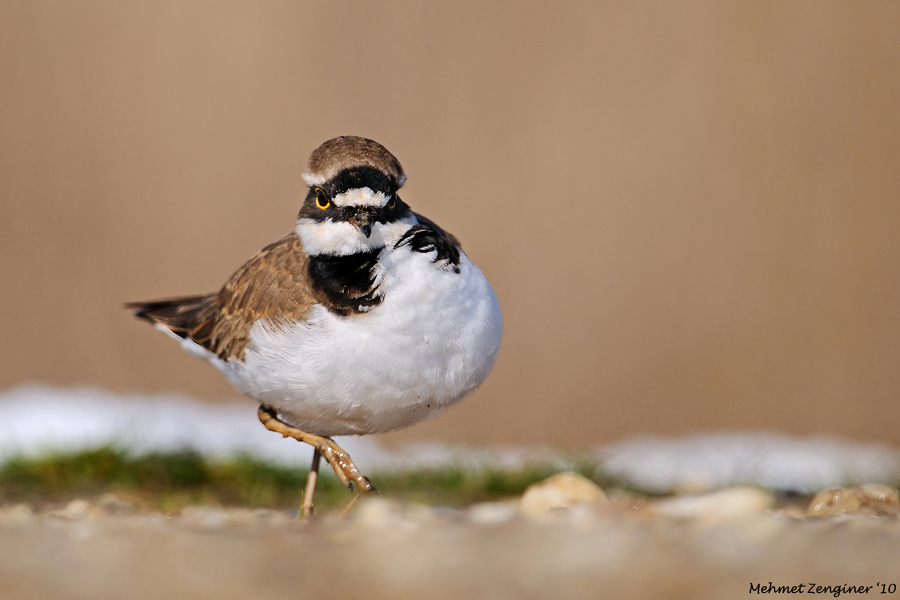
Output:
[[352, 205]]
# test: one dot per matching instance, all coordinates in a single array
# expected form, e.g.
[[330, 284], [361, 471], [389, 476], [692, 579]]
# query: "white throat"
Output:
[[339, 238]]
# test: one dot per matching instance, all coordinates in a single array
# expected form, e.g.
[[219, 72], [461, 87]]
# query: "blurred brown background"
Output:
[[689, 210]]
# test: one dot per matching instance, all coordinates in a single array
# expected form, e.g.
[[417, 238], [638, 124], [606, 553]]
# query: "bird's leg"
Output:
[[336, 456], [306, 507]]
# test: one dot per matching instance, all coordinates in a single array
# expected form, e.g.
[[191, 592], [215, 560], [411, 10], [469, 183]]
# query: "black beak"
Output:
[[363, 221]]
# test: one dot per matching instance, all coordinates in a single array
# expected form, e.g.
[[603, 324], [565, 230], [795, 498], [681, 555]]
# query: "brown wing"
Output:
[[272, 286]]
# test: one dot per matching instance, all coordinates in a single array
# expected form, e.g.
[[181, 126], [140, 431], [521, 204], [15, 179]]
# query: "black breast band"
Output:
[[346, 282]]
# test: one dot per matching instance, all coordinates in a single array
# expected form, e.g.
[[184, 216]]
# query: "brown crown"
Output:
[[349, 151]]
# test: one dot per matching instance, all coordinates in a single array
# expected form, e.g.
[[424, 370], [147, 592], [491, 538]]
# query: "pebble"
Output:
[[214, 517], [724, 505], [492, 513], [111, 504], [381, 513], [560, 492], [868, 499], [204, 517], [444, 513], [16, 514], [76, 509]]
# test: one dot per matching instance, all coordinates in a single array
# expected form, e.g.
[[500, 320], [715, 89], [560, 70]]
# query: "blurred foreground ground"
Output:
[[110, 497], [713, 546]]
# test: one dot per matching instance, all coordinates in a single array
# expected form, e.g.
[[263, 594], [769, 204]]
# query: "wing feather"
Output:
[[273, 286]]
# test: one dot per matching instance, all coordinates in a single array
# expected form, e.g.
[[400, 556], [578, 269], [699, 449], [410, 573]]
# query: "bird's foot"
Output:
[[336, 456], [343, 466]]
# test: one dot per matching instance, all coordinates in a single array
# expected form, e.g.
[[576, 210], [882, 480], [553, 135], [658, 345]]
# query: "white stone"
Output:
[[76, 509], [492, 513], [560, 492], [724, 505], [870, 499]]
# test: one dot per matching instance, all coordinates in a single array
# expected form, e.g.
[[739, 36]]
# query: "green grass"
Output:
[[173, 480]]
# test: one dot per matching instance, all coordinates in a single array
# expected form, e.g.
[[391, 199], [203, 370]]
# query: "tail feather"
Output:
[[181, 316]]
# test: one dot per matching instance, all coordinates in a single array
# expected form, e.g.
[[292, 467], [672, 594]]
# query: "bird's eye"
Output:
[[393, 203], [322, 201]]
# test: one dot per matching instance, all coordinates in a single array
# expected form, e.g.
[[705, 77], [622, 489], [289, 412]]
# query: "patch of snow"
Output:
[[770, 460], [37, 419]]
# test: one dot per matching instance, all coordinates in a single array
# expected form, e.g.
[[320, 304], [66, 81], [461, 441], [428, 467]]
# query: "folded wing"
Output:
[[273, 286]]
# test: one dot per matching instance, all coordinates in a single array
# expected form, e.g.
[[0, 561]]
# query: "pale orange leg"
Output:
[[336, 456], [306, 507]]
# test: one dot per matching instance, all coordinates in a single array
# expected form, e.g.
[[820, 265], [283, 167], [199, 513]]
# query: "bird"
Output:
[[367, 317]]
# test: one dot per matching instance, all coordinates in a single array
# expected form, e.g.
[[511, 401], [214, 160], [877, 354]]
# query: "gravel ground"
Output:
[[563, 539]]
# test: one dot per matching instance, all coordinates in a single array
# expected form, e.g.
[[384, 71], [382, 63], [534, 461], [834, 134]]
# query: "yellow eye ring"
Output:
[[319, 199], [393, 202]]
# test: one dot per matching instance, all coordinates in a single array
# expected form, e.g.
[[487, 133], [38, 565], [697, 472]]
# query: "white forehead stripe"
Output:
[[361, 197]]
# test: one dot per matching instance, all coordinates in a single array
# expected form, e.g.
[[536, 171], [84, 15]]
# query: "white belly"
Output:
[[432, 341]]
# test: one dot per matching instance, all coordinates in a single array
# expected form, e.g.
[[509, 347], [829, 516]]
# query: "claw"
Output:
[[337, 457]]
